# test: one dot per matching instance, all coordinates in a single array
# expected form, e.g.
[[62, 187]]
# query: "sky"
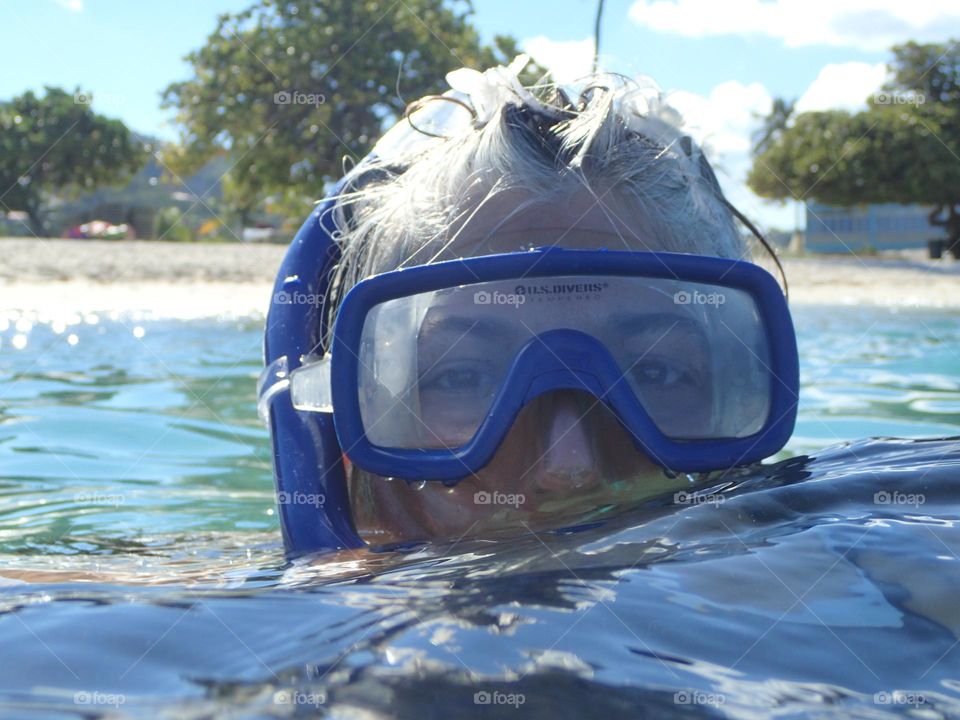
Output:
[[721, 62]]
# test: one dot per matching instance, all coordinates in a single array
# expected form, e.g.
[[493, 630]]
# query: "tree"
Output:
[[773, 124], [56, 143], [904, 148], [932, 70], [289, 89]]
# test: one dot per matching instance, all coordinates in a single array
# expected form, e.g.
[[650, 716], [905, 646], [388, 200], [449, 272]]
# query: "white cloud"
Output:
[[72, 5], [724, 119], [567, 60], [723, 123], [843, 86], [863, 24]]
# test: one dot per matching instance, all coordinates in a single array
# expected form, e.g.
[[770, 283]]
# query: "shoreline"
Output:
[[48, 278], [902, 282]]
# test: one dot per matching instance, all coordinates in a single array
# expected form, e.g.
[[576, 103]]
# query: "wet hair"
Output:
[[617, 140]]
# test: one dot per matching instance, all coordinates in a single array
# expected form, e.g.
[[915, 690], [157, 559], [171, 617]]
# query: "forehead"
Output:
[[515, 220]]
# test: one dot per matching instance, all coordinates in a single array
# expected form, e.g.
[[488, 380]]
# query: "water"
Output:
[[144, 573]]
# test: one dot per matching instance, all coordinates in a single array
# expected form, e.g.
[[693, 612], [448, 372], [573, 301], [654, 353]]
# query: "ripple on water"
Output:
[[136, 519]]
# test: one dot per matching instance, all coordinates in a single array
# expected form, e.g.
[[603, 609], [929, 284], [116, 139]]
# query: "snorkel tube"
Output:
[[308, 465]]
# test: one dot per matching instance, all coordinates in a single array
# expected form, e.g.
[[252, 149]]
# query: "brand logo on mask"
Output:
[[560, 290]]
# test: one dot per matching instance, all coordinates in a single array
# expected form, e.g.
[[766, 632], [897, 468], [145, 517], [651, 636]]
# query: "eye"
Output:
[[457, 378], [661, 374]]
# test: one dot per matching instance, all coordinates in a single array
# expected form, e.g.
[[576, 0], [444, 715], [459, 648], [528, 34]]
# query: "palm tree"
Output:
[[772, 124]]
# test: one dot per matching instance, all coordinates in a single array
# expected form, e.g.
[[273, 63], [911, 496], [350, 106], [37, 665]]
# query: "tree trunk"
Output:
[[950, 225], [953, 230], [245, 213], [36, 221]]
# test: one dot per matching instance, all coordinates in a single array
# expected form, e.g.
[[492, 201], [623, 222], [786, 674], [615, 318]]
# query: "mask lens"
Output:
[[695, 355]]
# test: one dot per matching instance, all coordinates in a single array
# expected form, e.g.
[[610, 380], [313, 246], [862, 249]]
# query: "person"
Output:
[[532, 310]]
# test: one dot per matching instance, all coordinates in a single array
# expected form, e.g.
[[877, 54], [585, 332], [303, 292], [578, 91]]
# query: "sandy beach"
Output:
[[158, 279], [186, 280]]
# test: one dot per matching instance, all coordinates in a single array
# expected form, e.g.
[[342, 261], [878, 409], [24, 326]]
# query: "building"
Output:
[[866, 228]]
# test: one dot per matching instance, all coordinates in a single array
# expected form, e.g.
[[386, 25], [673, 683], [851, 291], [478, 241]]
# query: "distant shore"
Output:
[[199, 280], [159, 279]]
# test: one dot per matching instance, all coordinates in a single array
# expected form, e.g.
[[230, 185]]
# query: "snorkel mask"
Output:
[[427, 367]]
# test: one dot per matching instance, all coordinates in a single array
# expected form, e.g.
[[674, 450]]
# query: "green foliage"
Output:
[[903, 149], [56, 143], [932, 70], [287, 206], [169, 226], [290, 89]]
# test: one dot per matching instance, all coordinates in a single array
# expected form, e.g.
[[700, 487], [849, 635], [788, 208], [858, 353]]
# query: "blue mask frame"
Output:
[[564, 359]]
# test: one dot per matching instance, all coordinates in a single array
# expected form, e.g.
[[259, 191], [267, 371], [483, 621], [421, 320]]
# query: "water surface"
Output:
[[136, 497]]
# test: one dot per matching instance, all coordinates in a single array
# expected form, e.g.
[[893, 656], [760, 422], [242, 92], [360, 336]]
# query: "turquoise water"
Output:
[[145, 574]]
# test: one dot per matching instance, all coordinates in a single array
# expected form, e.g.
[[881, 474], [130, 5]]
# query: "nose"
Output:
[[569, 458]]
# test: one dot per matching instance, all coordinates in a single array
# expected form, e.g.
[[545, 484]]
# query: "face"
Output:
[[566, 452]]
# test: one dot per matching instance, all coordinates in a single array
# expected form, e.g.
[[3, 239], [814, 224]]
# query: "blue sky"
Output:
[[721, 61]]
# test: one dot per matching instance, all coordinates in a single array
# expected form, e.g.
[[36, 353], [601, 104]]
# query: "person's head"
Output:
[[509, 172]]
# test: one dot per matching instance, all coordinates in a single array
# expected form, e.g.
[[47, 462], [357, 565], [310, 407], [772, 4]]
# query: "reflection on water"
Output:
[[136, 431], [136, 499], [876, 372]]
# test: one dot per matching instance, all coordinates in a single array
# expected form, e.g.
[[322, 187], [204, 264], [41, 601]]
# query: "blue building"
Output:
[[833, 229]]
